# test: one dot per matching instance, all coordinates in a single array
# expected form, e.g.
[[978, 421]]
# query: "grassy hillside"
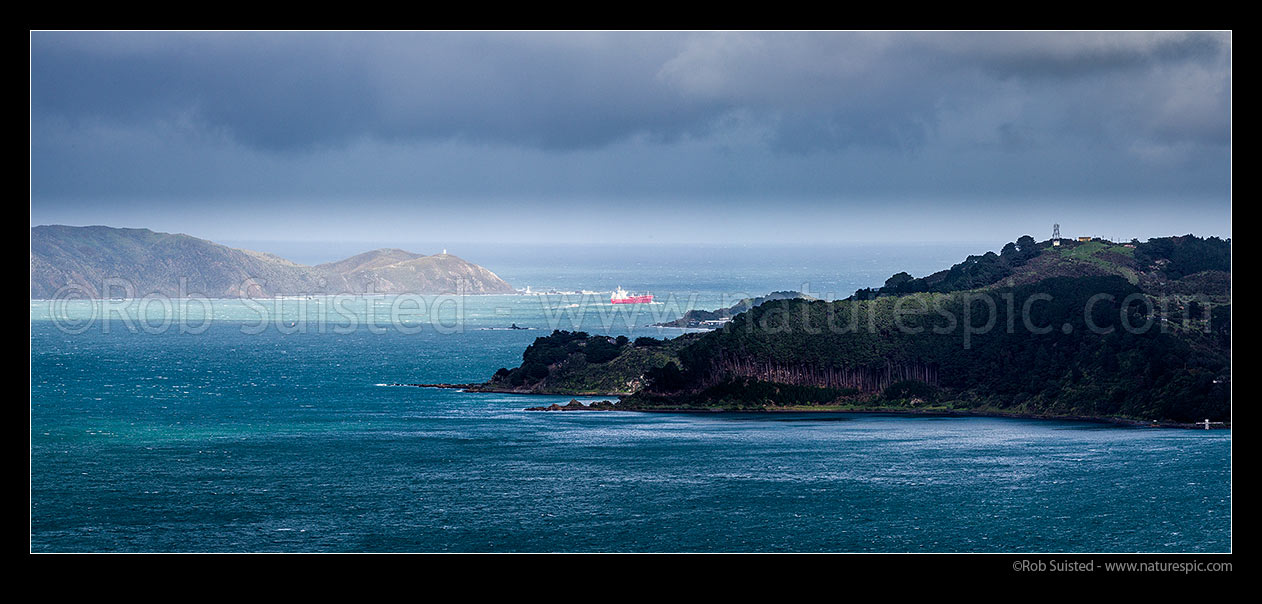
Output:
[[139, 262]]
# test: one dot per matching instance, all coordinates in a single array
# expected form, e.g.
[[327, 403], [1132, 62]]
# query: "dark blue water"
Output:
[[236, 439], [225, 441]]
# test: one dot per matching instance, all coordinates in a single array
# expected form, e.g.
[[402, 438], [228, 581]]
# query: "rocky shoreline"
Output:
[[447, 386], [575, 405], [495, 390], [1137, 423]]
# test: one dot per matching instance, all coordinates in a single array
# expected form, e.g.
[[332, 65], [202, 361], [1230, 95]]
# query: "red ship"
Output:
[[622, 297]]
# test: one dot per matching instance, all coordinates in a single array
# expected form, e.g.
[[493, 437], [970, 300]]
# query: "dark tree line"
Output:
[[557, 347], [974, 272], [1181, 256]]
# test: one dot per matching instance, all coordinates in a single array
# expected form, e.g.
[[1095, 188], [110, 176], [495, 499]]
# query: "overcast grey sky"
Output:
[[708, 137]]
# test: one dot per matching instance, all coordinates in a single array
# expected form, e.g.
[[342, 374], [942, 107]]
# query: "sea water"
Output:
[[230, 425]]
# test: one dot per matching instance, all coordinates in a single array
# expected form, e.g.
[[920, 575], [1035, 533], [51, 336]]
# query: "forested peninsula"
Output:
[[1089, 329]]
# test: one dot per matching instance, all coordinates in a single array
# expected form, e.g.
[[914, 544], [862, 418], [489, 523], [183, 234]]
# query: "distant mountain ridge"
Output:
[[108, 262]]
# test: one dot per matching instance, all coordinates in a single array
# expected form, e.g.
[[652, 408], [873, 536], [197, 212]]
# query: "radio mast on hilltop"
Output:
[[1055, 235]]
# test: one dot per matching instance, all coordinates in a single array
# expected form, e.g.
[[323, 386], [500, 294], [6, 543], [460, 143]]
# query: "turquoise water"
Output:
[[278, 435]]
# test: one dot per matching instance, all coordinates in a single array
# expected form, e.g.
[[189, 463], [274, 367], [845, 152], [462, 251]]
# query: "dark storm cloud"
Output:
[[284, 91], [250, 130], [1071, 55], [1136, 88], [287, 91]]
